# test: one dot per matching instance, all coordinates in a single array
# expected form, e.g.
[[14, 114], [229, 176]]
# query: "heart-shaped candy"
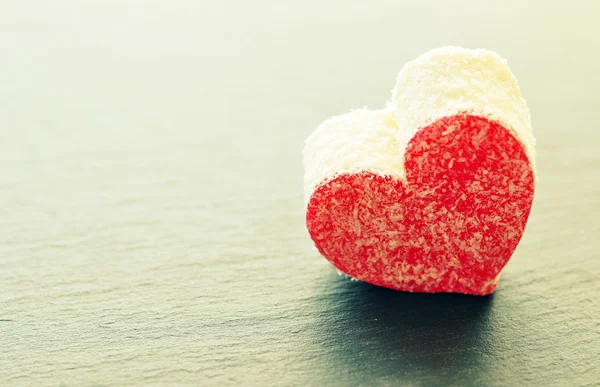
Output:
[[432, 193]]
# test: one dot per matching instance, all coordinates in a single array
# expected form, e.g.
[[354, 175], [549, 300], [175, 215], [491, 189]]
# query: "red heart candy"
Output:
[[450, 227]]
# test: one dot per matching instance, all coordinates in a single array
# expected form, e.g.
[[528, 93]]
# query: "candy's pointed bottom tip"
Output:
[[485, 290]]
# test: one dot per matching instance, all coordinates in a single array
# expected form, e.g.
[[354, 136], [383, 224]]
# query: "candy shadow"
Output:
[[373, 332]]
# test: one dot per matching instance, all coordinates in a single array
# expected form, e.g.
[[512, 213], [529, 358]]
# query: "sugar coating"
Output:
[[362, 140], [443, 82], [451, 80]]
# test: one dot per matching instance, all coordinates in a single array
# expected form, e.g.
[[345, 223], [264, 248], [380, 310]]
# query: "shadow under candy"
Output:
[[369, 331]]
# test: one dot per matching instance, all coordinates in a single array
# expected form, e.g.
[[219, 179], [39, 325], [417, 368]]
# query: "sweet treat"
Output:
[[431, 193]]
